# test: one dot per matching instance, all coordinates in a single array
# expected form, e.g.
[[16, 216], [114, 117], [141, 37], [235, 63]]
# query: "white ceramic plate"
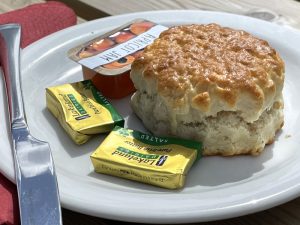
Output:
[[216, 187]]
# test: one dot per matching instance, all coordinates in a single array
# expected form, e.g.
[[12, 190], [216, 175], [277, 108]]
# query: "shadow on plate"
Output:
[[211, 171], [214, 171]]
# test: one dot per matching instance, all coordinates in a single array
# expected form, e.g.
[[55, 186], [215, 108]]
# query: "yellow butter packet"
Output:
[[82, 110], [133, 155]]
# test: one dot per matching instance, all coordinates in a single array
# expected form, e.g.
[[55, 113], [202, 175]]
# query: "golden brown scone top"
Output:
[[212, 69]]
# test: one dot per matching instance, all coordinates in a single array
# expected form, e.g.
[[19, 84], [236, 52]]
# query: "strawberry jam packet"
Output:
[[111, 55]]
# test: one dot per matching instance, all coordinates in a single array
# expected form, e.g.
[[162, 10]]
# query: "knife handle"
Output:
[[10, 37]]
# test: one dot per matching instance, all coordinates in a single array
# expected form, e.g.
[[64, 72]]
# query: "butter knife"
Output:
[[34, 170]]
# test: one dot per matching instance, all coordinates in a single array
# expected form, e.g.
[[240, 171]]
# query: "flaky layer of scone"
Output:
[[226, 134], [211, 69]]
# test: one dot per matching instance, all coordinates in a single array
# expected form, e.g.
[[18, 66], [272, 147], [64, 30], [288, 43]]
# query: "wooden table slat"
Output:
[[287, 12]]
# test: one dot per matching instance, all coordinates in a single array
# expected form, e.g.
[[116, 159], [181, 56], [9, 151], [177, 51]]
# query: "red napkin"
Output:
[[37, 21], [9, 212]]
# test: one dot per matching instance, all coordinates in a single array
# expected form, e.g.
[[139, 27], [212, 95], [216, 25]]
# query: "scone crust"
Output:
[[211, 69]]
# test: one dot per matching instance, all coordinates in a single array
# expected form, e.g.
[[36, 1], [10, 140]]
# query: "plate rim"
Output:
[[281, 197]]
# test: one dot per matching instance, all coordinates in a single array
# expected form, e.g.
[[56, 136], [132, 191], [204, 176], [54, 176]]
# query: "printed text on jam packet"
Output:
[[123, 49]]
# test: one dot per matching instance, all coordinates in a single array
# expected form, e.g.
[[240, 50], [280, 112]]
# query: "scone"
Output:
[[212, 84]]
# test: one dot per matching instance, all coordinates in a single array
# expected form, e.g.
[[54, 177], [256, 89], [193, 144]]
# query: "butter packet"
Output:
[[82, 110], [133, 155]]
